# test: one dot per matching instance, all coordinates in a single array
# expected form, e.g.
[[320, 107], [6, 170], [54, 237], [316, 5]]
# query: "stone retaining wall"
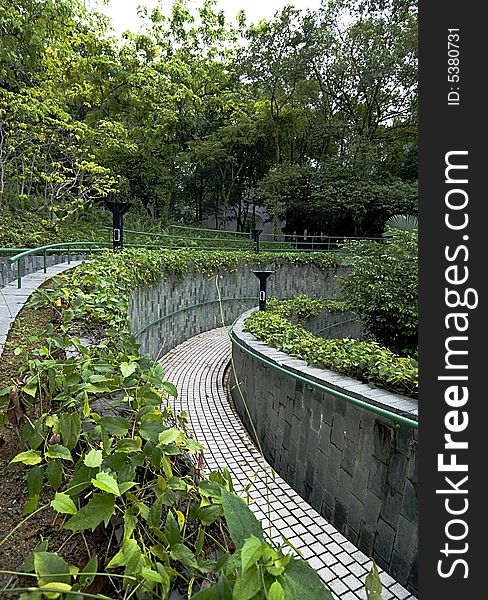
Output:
[[353, 466], [335, 325], [148, 304]]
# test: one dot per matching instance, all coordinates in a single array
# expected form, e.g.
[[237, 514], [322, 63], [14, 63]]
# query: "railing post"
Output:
[[69, 255], [19, 274], [45, 261]]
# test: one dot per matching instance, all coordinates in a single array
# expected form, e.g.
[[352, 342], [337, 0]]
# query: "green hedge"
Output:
[[366, 361]]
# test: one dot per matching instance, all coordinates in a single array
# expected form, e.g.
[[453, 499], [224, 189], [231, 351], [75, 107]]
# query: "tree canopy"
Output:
[[311, 114]]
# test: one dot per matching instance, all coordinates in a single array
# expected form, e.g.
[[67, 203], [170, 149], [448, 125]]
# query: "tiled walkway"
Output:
[[198, 369], [12, 299]]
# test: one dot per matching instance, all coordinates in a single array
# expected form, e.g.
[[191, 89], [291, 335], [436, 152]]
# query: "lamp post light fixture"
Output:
[[255, 239], [118, 209], [263, 277]]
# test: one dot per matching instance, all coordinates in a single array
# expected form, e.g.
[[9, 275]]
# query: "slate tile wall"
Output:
[[353, 466]]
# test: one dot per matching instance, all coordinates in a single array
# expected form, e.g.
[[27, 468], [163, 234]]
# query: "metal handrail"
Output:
[[69, 247], [185, 308], [397, 419]]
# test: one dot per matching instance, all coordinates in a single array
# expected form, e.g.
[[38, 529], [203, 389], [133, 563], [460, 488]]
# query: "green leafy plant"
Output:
[[373, 584], [382, 289], [366, 361], [103, 438]]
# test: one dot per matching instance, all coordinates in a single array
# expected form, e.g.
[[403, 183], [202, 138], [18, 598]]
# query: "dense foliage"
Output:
[[105, 439], [382, 288], [301, 308], [311, 113], [366, 361]]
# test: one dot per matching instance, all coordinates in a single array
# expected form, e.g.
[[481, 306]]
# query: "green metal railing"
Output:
[[192, 236], [69, 248], [191, 306], [239, 240], [397, 419]]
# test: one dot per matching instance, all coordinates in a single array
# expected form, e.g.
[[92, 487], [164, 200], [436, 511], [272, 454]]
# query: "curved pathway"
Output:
[[12, 298], [198, 368]]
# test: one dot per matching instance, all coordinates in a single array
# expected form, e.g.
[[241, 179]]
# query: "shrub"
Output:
[[366, 361], [382, 289]]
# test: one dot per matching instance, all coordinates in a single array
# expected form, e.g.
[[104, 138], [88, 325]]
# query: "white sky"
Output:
[[124, 12]]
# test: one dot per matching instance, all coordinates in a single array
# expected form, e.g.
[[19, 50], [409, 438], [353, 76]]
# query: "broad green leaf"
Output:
[[118, 426], [50, 568], [373, 584], [210, 489], [209, 514], [31, 388], [154, 517], [93, 459], [303, 583], [276, 591], [70, 429], [87, 574], [193, 445], [240, 519], [251, 551], [54, 472], [221, 591], [248, 584], [99, 508], [127, 369], [32, 434], [184, 555], [62, 503], [157, 373], [127, 445], [171, 529], [31, 505], [34, 481], [58, 451], [48, 589], [128, 556], [30, 457], [170, 388], [152, 575], [170, 435], [106, 483], [181, 519], [28, 566], [151, 428]]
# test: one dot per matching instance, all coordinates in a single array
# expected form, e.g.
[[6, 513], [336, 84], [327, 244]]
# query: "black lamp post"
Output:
[[255, 239], [263, 277], [118, 209]]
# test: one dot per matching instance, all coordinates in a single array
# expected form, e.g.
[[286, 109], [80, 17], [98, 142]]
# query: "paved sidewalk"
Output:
[[198, 369], [13, 299]]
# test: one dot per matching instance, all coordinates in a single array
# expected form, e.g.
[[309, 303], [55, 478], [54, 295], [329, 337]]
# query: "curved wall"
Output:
[[352, 465], [168, 300]]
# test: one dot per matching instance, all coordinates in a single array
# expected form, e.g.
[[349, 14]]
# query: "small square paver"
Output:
[[399, 592], [339, 570], [326, 574], [352, 582], [345, 558], [338, 587], [357, 570]]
